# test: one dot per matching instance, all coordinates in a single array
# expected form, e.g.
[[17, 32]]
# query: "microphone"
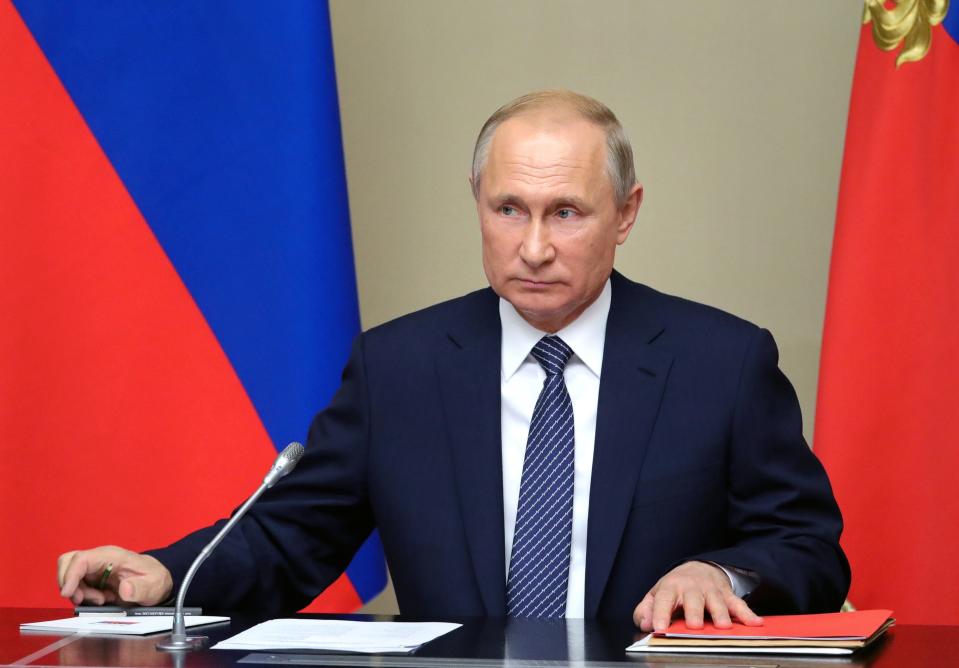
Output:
[[285, 462]]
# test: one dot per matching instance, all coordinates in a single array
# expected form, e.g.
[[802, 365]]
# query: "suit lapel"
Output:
[[468, 365], [631, 388]]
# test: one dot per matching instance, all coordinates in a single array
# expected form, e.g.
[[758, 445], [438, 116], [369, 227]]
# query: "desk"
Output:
[[480, 643]]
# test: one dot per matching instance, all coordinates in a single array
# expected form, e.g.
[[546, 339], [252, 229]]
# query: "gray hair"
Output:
[[619, 153]]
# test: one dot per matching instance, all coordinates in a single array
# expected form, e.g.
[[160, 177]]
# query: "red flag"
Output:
[[887, 420]]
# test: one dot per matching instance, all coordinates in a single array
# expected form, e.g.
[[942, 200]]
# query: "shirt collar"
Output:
[[586, 335]]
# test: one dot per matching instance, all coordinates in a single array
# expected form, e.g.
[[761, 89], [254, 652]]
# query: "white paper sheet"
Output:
[[337, 635], [118, 624]]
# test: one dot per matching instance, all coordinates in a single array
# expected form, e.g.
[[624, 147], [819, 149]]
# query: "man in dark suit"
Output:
[[566, 442]]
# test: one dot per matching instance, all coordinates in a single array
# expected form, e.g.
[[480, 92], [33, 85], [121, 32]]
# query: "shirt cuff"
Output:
[[742, 581]]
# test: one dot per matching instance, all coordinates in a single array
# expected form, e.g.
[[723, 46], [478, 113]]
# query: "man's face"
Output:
[[549, 218]]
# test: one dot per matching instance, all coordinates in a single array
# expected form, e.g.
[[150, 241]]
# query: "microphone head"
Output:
[[293, 452], [285, 462]]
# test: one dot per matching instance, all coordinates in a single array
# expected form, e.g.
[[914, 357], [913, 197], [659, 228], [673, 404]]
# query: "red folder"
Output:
[[858, 625]]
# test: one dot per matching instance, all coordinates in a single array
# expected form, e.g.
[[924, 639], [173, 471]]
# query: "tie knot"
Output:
[[552, 353]]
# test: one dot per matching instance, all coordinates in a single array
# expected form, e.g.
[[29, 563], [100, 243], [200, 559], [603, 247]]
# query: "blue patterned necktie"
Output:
[[539, 562]]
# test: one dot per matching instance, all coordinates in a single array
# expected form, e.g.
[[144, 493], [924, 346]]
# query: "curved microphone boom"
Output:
[[284, 463]]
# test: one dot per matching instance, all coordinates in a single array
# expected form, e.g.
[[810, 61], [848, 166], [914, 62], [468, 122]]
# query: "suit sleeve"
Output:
[[302, 533], [783, 521]]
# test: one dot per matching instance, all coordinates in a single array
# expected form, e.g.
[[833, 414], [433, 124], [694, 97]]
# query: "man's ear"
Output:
[[628, 211], [469, 177]]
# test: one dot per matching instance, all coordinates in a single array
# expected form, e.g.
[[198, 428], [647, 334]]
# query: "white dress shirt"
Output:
[[520, 384], [521, 381]]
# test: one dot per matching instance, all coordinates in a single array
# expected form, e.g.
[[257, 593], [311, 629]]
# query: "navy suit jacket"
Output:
[[699, 454]]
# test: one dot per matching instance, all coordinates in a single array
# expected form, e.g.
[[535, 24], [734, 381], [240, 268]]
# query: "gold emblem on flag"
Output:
[[909, 23]]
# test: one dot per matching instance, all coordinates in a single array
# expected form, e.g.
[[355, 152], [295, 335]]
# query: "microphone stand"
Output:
[[179, 641]]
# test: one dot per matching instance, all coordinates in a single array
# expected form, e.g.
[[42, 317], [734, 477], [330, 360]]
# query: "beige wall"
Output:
[[736, 111]]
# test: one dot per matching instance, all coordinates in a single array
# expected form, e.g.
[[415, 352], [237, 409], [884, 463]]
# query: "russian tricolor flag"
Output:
[[176, 270]]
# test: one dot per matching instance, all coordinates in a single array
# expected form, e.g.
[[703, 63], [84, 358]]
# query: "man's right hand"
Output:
[[133, 578]]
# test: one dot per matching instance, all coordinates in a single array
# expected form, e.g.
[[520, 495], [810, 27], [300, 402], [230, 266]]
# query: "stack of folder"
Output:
[[833, 633]]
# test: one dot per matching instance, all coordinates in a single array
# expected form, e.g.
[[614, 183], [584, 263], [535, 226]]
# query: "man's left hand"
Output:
[[697, 588]]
